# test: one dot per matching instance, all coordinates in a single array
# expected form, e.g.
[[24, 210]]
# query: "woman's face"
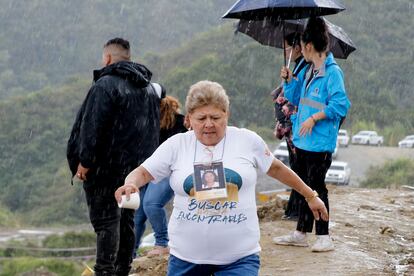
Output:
[[306, 51], [294, 50], [209, 124]]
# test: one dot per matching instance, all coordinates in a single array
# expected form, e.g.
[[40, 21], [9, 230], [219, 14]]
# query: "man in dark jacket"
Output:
[[116, 129]]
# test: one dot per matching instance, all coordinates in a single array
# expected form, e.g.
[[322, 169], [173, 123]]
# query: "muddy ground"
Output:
[[372, 231]]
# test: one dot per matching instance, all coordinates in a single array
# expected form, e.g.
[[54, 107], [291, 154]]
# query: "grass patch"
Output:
[[29, 265], [70, 240], [7, 218], [392, 174]]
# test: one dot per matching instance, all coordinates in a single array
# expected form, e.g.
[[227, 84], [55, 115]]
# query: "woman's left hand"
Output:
[[306, 127], [318, 209]]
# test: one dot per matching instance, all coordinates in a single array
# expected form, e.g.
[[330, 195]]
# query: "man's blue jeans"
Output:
[[247, 266], [153, 197]]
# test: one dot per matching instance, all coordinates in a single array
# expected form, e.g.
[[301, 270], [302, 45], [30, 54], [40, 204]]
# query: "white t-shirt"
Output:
[[214, 231]]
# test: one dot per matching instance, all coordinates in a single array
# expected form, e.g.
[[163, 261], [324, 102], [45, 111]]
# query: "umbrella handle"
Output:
[[290, 57], [283, 42]]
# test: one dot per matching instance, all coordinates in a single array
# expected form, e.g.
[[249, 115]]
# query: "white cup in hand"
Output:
[[132, 203]]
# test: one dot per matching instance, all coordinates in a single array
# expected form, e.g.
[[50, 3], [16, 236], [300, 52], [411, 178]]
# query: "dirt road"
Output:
[[372, 231]]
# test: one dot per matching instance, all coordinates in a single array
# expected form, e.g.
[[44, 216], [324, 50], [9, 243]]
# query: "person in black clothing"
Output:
[[283, 110], [154, 196], [116, 129]]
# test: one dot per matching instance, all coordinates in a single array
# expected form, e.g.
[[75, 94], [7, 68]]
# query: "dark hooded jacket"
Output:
[[117, 126]]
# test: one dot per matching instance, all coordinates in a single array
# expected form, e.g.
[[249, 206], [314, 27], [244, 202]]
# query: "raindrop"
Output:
[[121, 11]]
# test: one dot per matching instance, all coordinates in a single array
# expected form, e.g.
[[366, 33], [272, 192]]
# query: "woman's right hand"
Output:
[[126, 190], [286, 74], [318, 209]]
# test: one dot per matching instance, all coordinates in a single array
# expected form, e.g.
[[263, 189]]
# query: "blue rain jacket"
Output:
[[325, 92]]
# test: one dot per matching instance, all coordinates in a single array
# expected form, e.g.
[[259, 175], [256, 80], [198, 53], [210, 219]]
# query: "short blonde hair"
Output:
[[205, 93]]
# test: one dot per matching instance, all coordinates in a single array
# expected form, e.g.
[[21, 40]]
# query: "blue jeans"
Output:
[[247, 266], [153, 197]]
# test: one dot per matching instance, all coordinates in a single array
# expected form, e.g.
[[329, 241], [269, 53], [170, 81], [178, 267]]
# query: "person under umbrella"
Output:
[[283, 110], [319, 92]]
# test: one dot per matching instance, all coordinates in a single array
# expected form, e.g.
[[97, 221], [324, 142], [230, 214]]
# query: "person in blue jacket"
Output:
[[319, 93]]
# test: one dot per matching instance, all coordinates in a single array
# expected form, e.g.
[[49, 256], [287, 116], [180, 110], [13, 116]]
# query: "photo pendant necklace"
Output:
[[210, 151], [208, 178]]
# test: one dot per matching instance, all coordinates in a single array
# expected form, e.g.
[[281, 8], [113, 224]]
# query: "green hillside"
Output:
[[44, 42], [35, 181], [378, 77], [34, 129]]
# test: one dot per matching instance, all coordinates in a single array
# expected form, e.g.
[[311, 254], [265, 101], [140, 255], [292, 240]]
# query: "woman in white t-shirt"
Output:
[[221, 234]]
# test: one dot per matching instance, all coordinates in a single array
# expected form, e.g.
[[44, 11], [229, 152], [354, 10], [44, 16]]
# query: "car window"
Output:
[[337, 168], [282, 147]]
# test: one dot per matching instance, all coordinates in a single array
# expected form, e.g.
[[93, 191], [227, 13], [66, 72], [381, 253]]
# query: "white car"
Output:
[[282, 153], [407, 142], [343, 138], [339, 173], [367, 137]]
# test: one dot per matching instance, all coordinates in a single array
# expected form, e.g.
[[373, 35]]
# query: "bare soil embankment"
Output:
[[372, 231]]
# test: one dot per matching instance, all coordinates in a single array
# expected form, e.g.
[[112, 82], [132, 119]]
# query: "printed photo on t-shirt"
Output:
[[209, 181]]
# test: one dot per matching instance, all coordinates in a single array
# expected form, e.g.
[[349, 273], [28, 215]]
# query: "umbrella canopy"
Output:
[[270, 32], [282, 9]]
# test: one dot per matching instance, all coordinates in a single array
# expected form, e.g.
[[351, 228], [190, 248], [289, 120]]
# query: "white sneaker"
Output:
[[292, 239], [323, 243]]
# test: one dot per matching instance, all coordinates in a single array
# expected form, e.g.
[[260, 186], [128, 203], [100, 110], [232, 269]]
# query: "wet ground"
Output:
[[372, 231]]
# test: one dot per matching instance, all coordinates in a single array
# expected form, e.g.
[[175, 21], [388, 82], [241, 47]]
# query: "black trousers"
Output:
[[292, 208], [311, 168], [114, 228]]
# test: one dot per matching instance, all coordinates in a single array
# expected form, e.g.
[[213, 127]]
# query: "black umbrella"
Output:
[[270, 33], [282, 9]]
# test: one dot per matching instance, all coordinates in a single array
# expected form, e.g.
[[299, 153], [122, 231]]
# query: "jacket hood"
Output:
[[134, 72], [330, 59]]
